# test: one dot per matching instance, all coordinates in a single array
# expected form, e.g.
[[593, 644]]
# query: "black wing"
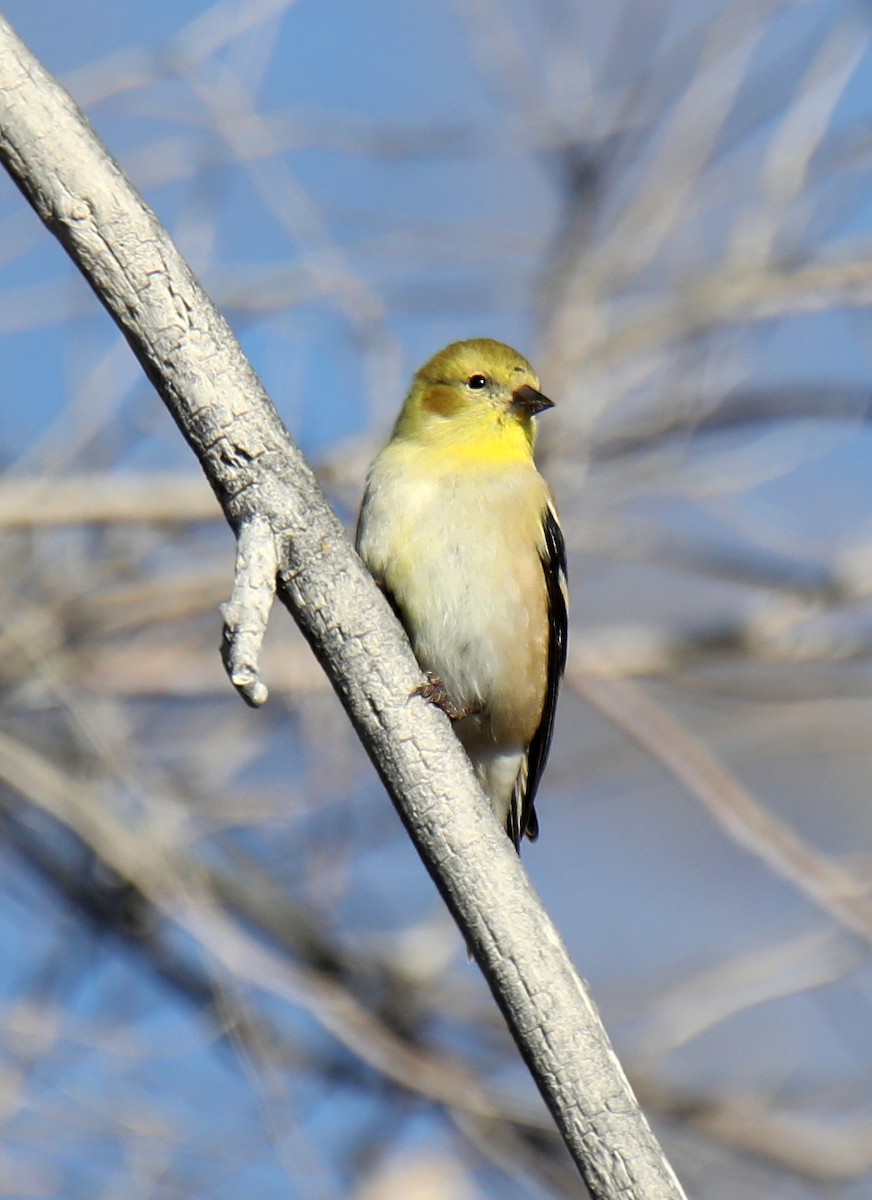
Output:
[[522, 818]]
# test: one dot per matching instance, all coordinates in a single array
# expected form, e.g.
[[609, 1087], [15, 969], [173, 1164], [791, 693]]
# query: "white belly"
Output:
[[461, 557]]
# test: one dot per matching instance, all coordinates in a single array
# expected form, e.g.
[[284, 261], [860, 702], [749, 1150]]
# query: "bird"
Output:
[[461, 532]]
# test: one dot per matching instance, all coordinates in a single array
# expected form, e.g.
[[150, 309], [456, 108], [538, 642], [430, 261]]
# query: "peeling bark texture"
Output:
[[280, 516]]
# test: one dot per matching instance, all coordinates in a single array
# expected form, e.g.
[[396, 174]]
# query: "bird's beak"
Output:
[[528, 401]]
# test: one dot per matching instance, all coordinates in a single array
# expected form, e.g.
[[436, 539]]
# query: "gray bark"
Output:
[[290, 541]]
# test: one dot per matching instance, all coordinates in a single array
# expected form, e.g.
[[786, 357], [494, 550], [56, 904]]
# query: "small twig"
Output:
[[105, 498], [246, 613], [824, 1150], [835, 890]]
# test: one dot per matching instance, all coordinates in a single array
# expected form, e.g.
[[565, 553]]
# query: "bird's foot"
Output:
[[434, 690]]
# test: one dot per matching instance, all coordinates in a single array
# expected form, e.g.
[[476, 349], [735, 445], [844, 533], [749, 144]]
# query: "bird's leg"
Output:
[[434, 690]]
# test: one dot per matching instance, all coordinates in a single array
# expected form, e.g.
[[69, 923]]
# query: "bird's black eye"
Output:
[[476, 382]]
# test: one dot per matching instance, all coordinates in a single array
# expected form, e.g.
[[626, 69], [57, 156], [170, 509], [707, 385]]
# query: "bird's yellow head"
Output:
[[474, 400]]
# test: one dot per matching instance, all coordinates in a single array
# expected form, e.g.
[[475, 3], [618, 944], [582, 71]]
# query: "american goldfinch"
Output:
[[460, 530]]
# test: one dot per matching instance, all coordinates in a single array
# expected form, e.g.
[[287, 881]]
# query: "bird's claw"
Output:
[[434, 690]]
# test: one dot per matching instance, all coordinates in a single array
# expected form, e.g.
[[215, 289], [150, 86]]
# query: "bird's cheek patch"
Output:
[[443, 401]]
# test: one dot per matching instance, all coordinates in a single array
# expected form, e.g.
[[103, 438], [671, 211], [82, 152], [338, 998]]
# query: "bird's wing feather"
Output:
[[522, 818]]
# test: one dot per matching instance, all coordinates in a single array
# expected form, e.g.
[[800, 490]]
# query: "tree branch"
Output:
[[272, 502], [834, 889]]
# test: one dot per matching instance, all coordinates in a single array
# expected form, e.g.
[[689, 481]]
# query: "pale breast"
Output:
[[460, 553]]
